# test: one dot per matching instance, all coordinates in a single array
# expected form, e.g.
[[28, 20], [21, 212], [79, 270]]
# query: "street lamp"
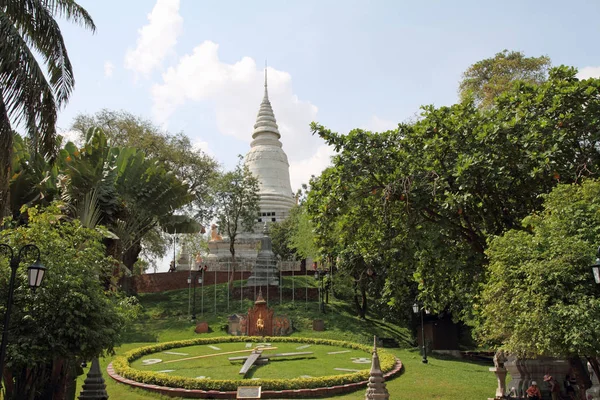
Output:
[[197, 278], [35, 276], [418, 310], [596, 267]]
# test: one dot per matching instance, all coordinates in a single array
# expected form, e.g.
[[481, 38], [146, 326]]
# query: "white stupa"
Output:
[[269, 163]]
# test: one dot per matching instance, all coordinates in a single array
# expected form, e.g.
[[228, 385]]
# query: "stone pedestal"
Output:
[[501, 376], [523, 371], [593, 393]]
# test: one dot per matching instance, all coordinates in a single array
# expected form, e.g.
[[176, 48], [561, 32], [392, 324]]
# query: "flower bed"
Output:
[[121, 366]]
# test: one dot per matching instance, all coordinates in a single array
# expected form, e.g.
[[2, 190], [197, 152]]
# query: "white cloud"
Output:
[[235, 91], [203, 146], [377, 124], [108, 69], [302, 170], [589, 72], [71, 136], [156, 39]]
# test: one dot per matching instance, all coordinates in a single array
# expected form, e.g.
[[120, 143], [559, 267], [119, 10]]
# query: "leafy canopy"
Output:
[[487, 79], [541, 298], [422, 200]]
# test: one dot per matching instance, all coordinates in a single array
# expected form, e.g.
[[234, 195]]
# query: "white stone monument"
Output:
[[269, 164]]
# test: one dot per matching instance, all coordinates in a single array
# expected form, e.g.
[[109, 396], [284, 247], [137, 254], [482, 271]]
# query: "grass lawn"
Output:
[[165, 318]]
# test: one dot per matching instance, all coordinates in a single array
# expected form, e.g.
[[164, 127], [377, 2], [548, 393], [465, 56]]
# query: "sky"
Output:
[[197, 66]]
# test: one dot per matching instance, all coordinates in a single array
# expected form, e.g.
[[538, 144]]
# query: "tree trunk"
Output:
[[6, 149], [355, 297], [131, 256], [580, 373], [232, 251], [363, 309]]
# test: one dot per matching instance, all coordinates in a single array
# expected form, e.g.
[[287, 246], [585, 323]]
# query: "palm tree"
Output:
[[29, 96]]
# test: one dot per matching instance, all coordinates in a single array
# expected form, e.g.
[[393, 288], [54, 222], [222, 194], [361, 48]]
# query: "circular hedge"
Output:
[[122, 367]]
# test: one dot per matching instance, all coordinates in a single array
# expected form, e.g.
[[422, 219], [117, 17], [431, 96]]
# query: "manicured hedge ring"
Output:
[[121, 370]]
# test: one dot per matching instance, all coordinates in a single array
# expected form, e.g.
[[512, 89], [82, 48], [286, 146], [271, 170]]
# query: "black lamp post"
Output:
[[197, 278], [320, 274], [418, 310], [596, 267], [35, 275]]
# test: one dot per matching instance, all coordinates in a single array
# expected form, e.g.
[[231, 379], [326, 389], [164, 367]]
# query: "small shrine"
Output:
[[260, 321]]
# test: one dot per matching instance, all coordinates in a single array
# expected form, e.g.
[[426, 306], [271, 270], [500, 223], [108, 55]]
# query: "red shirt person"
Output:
[[533, 393]]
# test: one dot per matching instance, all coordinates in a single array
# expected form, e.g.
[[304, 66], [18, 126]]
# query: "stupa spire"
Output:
[[265, 120], [266, 96]]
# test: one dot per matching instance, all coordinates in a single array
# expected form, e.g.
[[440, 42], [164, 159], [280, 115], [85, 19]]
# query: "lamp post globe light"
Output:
[[596, 267], [417, 309], [35, 277]]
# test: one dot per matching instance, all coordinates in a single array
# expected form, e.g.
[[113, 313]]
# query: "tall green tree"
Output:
[[424, 198], [541, 298], [487, 79], [237, 199], [175, 151], [29, 97]]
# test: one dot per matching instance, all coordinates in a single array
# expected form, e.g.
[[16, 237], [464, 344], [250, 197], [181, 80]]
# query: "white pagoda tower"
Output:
[[269, 163]]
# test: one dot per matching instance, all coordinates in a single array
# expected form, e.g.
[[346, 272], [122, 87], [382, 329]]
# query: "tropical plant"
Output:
[[70, 318], [28, 96], [118, 187], [175, 151]]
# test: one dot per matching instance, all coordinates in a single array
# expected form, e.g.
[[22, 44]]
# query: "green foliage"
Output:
[[31, 96], [175, 151], [281, 234], [541, 298], [236, 194], [121, 366], [71, 316], [118, 187], [418, 203], [487, 79], [302, 239], [293, 238]]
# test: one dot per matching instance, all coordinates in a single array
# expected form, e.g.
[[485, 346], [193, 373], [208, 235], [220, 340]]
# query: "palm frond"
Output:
[[88, 210], [41, 32], [24, 88], [71, 11]]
